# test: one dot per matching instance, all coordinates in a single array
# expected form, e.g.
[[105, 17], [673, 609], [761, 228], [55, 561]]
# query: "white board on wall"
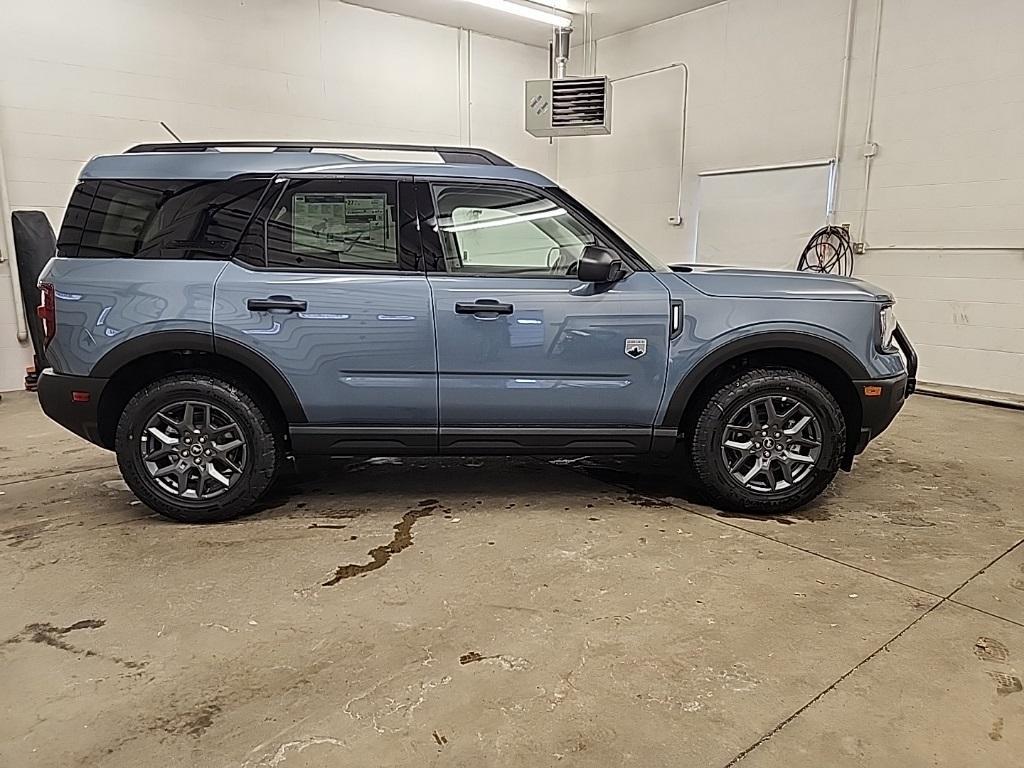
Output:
[[760, 217]]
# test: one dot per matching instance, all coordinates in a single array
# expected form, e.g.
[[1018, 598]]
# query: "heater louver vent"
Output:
[[578, 102], [571, 106]]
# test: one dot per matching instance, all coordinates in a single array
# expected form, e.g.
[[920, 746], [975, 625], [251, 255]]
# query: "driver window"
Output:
[[499, 231]]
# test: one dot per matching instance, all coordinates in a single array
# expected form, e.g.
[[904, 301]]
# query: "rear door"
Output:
[[327, 286], [530, 359]]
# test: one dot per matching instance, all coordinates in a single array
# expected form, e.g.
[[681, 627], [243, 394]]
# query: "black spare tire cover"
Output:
[[34, 245]]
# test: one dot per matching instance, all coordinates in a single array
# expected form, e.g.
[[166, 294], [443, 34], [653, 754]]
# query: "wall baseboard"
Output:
[[969, 395]]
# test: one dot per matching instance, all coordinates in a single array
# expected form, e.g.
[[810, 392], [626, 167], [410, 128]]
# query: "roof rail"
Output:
[[464, 155]]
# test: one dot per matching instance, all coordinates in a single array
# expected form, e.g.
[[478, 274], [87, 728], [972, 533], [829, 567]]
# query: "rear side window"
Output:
[[334, 224], [75, 216], [175, 219]]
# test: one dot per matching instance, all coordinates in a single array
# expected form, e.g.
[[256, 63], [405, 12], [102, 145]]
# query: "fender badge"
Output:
[[636, 348]]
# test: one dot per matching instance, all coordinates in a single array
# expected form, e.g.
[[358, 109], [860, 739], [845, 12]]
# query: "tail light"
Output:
[[47, 311]]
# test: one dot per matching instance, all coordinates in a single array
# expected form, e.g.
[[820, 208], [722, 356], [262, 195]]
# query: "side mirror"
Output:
[[599, 265]]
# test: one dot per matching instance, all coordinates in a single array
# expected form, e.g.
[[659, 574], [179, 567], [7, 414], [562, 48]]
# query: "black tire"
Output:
[[754, 387], [263, 444]]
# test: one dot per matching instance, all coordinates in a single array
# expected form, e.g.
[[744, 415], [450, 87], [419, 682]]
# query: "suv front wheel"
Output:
[[768, 441], [196, 448]]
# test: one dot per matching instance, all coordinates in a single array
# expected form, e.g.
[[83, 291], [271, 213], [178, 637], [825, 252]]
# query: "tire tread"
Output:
[[267, 451], [721, 490]]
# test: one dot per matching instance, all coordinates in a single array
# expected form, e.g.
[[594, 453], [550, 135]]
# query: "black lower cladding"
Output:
[[475, 441], [72, 401], [322, 440], [879, 410], [502, 440]]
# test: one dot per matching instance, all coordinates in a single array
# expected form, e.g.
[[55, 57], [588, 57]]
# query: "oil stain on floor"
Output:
[[379, 556]]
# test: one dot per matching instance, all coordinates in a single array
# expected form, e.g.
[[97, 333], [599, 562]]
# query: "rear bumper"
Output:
[[72, 401], [882, 399]]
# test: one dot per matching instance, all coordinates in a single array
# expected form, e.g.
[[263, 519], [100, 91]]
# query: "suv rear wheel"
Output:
[[768, 441], [197, 448]]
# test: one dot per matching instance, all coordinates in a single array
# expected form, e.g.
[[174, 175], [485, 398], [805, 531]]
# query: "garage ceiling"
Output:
[[610, 16]]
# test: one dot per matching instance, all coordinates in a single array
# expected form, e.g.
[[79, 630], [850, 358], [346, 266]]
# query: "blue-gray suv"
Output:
[[215, 310]]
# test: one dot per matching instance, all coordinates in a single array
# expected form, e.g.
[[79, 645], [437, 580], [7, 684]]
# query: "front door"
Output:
[[529, 358], [328, 287]]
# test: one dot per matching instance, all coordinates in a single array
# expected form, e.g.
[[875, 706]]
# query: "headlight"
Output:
[[888, 326]]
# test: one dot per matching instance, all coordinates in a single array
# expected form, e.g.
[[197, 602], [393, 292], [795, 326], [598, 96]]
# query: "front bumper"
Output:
[[73, 402], [882, 399]]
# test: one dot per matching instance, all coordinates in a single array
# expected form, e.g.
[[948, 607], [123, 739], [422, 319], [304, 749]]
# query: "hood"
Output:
[[734, 282]]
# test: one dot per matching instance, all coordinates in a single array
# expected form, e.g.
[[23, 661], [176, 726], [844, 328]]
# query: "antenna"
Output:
[[173, 134]]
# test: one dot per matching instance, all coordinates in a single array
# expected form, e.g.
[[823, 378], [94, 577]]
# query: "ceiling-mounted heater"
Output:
[[567, 106]]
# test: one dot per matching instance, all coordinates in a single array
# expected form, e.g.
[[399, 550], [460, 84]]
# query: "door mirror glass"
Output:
[[599, 265]]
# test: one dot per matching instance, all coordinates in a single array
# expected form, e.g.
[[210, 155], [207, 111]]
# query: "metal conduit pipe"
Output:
[[844, 98], [560, 50], [8, 248], [870, 147], [676, 220], [897, 247]]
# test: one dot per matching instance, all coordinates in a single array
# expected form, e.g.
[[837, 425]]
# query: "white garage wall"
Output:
[[783, 206], [764, 88], [77, 79], [84, 78], [949, 121], [763, 85]]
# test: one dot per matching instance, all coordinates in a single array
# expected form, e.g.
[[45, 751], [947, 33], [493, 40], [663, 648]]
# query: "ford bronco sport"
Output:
[[214, 310]]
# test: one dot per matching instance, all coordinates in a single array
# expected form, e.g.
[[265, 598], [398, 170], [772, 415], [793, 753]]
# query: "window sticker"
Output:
[[338, 222]]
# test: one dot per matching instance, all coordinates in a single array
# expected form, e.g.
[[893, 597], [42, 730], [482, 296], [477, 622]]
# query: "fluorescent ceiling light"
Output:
[[506, 220], [526, 11]]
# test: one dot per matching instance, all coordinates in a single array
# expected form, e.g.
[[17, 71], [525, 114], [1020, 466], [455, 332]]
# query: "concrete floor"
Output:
[[518, 612]]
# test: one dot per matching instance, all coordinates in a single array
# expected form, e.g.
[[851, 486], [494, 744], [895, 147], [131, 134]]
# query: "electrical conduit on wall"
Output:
[[7, 252], [871, 150], [676, 220]]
